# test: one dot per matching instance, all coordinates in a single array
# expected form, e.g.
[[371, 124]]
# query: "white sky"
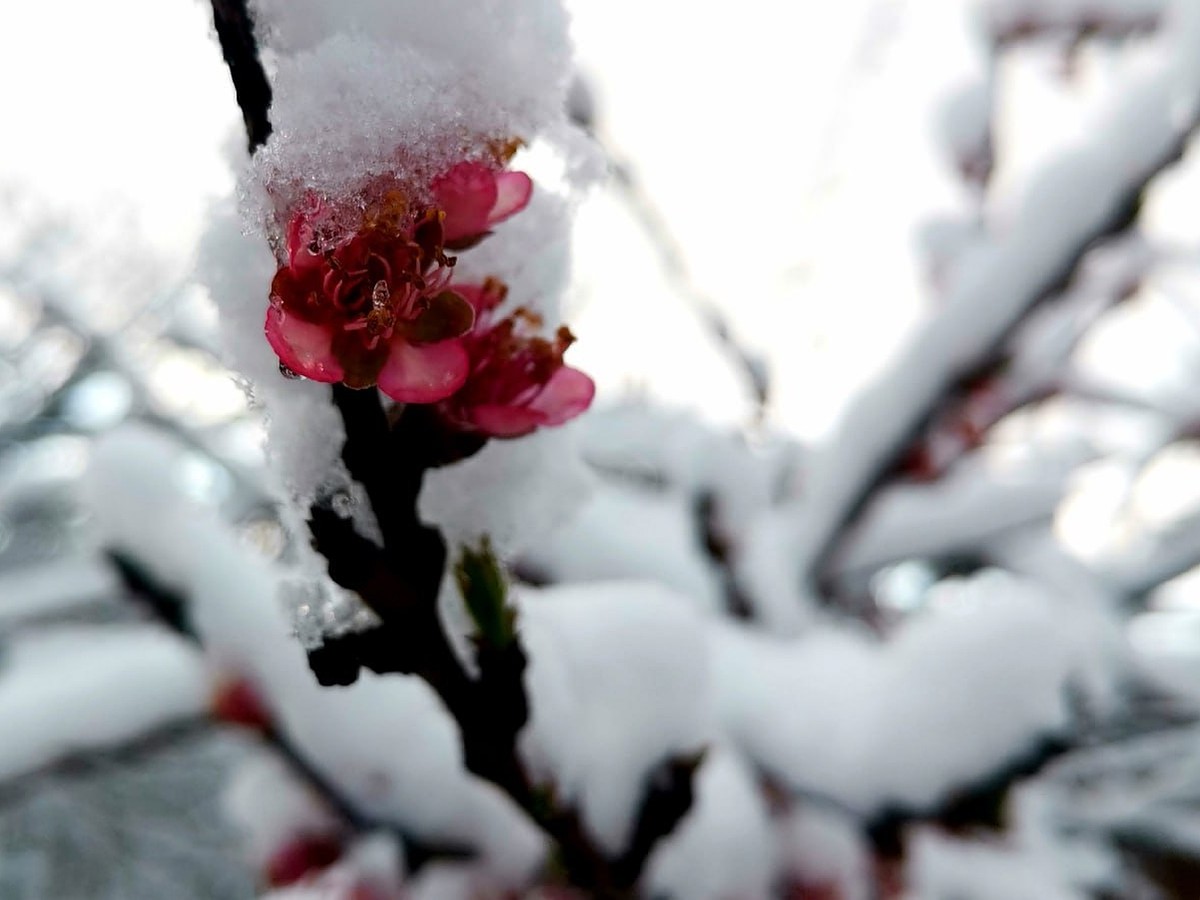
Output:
[[114, 108]]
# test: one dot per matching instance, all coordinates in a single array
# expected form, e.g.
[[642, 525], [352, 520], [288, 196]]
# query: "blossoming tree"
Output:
[[510, 641]]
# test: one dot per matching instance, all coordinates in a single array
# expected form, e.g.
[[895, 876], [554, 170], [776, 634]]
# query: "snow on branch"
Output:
[[1156, 558], [959, 513], [953, 697], [1011, 20], [1088, 192], [69, 690], [233, 607], [44, 589]]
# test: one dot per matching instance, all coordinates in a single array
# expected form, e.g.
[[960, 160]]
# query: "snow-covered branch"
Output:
[[1086, 193], [1013, 20], [70, 690]]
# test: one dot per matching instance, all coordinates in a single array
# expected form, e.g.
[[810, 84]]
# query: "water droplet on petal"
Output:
[[288, 373]]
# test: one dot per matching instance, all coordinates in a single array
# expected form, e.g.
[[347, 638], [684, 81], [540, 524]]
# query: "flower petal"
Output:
[[467, 193], [568, 393], [505, 421], [425, 373], [513, 190], [302, 230], [304, 347]]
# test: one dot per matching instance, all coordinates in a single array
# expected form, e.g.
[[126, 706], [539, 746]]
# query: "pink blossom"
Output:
[[301, 856], [475, 197], [372, 307], [517, 381], [370, 302]]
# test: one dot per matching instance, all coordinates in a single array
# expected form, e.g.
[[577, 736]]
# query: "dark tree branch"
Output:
[[400, 582], [1075, 28], [667, 799], [718, 549], [166, 605], [235, 31]]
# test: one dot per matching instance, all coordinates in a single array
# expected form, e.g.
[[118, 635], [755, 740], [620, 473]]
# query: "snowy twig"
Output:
[[76, 689], [970, 809], [1082, 197], [1030, 366], [1156, 560], [84, 759], [170, 608], [953, 515], [718, 548], [44, 590], [400, 581], [1010, 22]]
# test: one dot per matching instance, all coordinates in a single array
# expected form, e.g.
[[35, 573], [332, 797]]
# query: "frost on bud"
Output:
[[481, 582]]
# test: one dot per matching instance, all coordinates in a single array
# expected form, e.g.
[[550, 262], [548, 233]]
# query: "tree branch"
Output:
[[1091, 193], [401, 580], [235, 31], [170, 608]]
